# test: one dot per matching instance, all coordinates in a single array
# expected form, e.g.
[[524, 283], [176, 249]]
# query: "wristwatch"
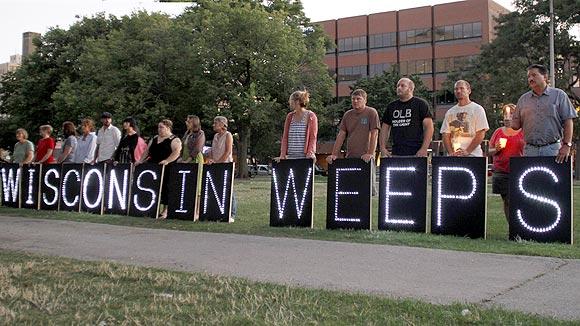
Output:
[[568, 144]]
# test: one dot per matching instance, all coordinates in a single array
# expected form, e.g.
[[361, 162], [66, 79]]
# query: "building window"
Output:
[[458, 31], [352, 73], [416, 67], [382, 40], [445, 97], [378, 69], [415, 36], [352, 44], [444, 65]]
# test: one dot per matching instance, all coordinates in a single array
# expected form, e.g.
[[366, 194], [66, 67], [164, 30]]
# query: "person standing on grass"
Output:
[[45, 146], [409, 120], [221, 150], [300, 129], [87, 142], [546, 116], [464, 125], [125, 152], [193, 141], [505, 143], [23, 149], [70, 143], [108, 139]]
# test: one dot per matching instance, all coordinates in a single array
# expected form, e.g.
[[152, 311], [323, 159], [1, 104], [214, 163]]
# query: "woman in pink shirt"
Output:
[[505, 143], [300, 129]]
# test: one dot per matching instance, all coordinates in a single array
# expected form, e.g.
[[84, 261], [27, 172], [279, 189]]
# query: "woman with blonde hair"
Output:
[[300, 129], [221, 150], [45, 146], [23, 149]]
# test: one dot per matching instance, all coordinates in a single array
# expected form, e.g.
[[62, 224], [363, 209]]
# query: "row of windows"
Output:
[[443, 65], [378, 69], [352, 73], [415, 36], [416, 67], [459, 31]]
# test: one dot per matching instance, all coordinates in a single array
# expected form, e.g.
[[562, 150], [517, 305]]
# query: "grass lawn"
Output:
[[45, 290], [253, 218]]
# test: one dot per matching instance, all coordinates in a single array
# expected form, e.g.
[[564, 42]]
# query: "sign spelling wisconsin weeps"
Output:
[[182, 191], [93, 188], [459, 193], [70, 187], [291, 195], [403, 194], [216, 192], [540, 195], [145, 190], [11, 175], [50, 186], [348, 197], [30, 186], [117, 188]]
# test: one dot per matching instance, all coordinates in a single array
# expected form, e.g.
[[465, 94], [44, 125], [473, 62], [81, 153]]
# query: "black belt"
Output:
[[546, 144]]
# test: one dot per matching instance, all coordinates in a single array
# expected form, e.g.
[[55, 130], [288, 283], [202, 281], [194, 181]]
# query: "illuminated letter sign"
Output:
[[540, 200], [11, 174], [403, 194], [50, 181], [93, 188], [117, 189], [291, 194], [459, 189], [70, 187], [348, 203], [30, 186], [216, 192], [182, 191], [145, 190]]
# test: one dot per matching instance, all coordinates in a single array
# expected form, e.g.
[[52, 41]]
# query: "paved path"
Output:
[[546, 286]]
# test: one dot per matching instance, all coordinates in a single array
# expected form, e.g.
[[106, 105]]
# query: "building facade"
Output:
[[27, 45], [426, 41], [13, 64]]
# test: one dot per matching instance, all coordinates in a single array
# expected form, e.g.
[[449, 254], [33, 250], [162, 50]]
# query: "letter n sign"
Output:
[[291, 196], [540, 192], [216, 192], [458, 204], [348, 203], [403, 194]]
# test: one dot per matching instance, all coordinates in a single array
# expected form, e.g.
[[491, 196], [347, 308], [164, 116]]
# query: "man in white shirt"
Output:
[[465, 124], [108, 138]]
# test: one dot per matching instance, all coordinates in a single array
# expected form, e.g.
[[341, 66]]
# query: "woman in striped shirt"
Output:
[[300, 129]]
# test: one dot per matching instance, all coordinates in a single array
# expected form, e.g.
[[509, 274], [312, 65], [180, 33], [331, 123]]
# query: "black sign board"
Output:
[[50, 186], [403, 194], [11, 175], [216, 192], [540, 194], [459, 193], [348, 203], [182, 191], [145, 190], [30, 186], [93, 188], [117, 188], [70, 187], [291, 197]]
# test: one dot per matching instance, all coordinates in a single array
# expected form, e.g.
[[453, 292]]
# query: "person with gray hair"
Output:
[[410, 121], [464, 125], [546, 116]]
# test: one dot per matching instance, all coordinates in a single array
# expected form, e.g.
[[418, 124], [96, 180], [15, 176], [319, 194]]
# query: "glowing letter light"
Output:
[[10, 185], [100, 189], [115, 189], [54, 199], [452, 196], [142, 188], [221, 203], [540, 199], [298, 201], [343, 193], [389, 193]]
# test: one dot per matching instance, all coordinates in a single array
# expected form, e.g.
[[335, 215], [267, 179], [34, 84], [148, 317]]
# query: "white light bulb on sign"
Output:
[[343, 193], [209, 182], [31, 173], [115, 189], [298, 202], [540, 199], [54, 188], [389, 193], [150, 191], [63, 189], [10, 185], [100, 188], [440, 195], [182, 193]]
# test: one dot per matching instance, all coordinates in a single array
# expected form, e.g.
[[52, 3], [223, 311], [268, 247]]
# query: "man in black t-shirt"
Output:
[[410, 121]]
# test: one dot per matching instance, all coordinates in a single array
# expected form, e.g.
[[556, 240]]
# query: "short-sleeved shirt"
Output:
[[44, 144], [71, 142], [463, 122], [514, 148], [542, 117], [358, 125], [406, 121], [108, 139], [20, 150]]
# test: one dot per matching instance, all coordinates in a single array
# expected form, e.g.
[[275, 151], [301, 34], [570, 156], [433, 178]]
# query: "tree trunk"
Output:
[[242, 161]]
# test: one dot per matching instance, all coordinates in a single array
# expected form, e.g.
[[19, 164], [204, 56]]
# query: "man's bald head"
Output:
[[405, 88]]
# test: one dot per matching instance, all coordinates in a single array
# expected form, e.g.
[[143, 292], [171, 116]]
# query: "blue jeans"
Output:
[[548, 150]]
